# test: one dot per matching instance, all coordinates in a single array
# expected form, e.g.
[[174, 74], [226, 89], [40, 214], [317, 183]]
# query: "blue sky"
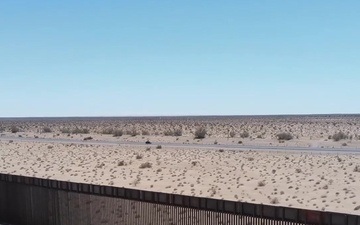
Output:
[[131, 58]]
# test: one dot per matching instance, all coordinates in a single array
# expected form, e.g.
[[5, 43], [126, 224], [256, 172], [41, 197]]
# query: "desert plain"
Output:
[[320, 180]]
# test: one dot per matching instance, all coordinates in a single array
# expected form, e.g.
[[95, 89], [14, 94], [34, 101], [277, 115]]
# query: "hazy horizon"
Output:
[[183, 116]]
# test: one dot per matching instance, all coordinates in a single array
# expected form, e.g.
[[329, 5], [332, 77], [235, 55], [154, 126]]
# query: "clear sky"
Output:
[[131, 58]]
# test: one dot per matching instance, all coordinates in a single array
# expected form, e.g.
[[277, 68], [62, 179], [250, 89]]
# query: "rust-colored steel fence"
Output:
[[35, 201]]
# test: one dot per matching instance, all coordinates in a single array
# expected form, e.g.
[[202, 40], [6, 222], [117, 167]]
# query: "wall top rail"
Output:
[[279, 213]]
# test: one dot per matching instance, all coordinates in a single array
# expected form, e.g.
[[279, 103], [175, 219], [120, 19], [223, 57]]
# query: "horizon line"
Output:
[[190, 115]]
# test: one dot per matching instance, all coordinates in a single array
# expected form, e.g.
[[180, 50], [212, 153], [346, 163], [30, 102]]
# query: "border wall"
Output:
[[36, 201]]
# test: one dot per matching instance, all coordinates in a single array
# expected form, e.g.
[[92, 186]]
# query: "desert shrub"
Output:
[[46, 130], [138, 156], [298, 170], [121, 163], [108, 130], [177, 132], [117, 133], [339, 136], [240, 142], [338, 159], [357, 168], [88, 138], [132, 132], [80, 131], [244, 134], [200, 133], [159, 147], [65, 130], [261, 183], [344, 144], [145, 132], [274, 201], [284, 136], [2, 129], [168, 133], [232, 134], [145, 165], [14, 129], [221, 150]]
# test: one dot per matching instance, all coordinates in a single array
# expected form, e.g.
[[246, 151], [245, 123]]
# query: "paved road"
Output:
[[179, 145]]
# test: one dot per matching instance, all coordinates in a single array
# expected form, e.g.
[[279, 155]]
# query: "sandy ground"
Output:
[[328, 182]]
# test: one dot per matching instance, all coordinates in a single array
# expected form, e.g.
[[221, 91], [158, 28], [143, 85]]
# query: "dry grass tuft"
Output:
[[145, 165], [274, 201], [357, 168], [261, 183]]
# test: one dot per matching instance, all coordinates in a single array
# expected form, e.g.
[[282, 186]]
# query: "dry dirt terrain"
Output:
[[322, 181], [304, 131]]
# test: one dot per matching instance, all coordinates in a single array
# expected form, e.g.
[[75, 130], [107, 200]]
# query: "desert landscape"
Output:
[[328, 181], [307, 131]]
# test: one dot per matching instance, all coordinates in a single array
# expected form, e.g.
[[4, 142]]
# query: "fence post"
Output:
[[347, 219]]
